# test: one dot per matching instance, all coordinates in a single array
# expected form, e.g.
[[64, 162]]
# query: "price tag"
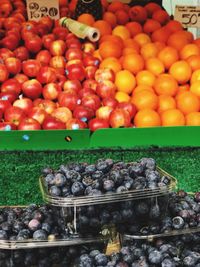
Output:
[[37, 9], [189, 16]]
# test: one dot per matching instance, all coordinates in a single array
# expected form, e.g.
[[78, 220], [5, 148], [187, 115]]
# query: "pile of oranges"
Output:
[[156, 63]]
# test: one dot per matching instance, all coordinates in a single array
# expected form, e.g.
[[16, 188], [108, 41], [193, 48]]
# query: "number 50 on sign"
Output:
[[189, 16]]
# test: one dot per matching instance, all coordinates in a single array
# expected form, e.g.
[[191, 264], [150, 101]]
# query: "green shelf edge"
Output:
[[83, 139]]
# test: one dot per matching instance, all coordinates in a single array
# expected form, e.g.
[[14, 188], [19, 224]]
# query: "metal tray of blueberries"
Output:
[[51, 240], [108, 198]]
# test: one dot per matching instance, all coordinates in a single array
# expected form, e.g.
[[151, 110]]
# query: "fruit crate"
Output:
[[107, 200], [23, 235], [181, 218]]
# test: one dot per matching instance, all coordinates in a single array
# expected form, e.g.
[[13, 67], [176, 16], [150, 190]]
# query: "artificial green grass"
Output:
[[19, 171]]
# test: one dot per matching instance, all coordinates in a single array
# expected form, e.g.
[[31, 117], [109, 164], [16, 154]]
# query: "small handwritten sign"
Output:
[[37, 9], [189, 16]]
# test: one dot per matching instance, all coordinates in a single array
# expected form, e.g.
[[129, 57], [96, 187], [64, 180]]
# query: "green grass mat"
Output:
[[19, 171]]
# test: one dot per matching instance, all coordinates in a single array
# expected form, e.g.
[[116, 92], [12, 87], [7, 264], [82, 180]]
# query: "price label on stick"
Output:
[[37, 9], [189, 16]]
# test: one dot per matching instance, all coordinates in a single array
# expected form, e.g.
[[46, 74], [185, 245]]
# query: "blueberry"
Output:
[[103, 166], [135, 170], [34, 225], [152, 176], [64, 169], [142, 208], [74, 176], [46, 227], [49, 179], [90, 169], [190, 261], [88, 190], [101, 259], [6, 227], [97, 175], [149, 163], [86, 261], [94, 253], [108, 185], [115, 257], [155, 212], [23, 234], [47, 171], [59, 179], [128, 183], [87, 180], [127, 214], [197, 197], [77, 189], [55, 191], [97, 184], [66, 192], [18, 226], [40, 235], [121, 189], [105, 217], [178, 222], [95, 192], [83, 220], [139, 183], [3, 235], [116, 217], [116, 176], [155, 257]]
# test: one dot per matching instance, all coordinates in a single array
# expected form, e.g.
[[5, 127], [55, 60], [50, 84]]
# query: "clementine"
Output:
[[147, 118]]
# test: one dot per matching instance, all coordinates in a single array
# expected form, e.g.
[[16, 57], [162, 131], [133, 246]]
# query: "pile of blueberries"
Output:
[[32, 222], [183, 212], [162, 253], [104, 177], [45, 257]]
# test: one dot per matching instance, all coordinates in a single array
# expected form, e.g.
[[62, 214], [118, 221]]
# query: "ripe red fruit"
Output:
[[21, 53], [14, 115], [97, 123], [32, 88], [3, 73], [13, 65], [51, 123], [46, 75], [75, 124], [11, 86], [29, 124], [68, 100], [33, 43], [31, 67], [75, 72], [119, 118]]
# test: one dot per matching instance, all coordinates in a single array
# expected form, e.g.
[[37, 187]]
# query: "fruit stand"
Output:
[[99, 135]]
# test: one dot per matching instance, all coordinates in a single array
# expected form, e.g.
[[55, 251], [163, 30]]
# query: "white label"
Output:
[[37, 9], [189, 16]]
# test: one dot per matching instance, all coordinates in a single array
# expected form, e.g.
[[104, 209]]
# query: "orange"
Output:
[[103, 26], [161, 16], [189, 50], [147, 118], [193, 119], [114, 6], [149, 50], [109, 49], [151, 8], [134, 28], [110, 18], [181, 71], [181, 89], [165, 84], [178, 40], [111, 63], [142, 87], [145, 77], [150, 26], [142, 38], [145, 99], [122, 97], [160, 35], [174, 26], [112, 38], [129, 50], [125, 81], [188, 102], [122, 17], [168, 55], [86, 19], [195, 88], [194, 62], [155, 65], [122, 32], [131, 43], [172, 117], [166, 102], [195, 76], [133, 62], [159, 45]]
